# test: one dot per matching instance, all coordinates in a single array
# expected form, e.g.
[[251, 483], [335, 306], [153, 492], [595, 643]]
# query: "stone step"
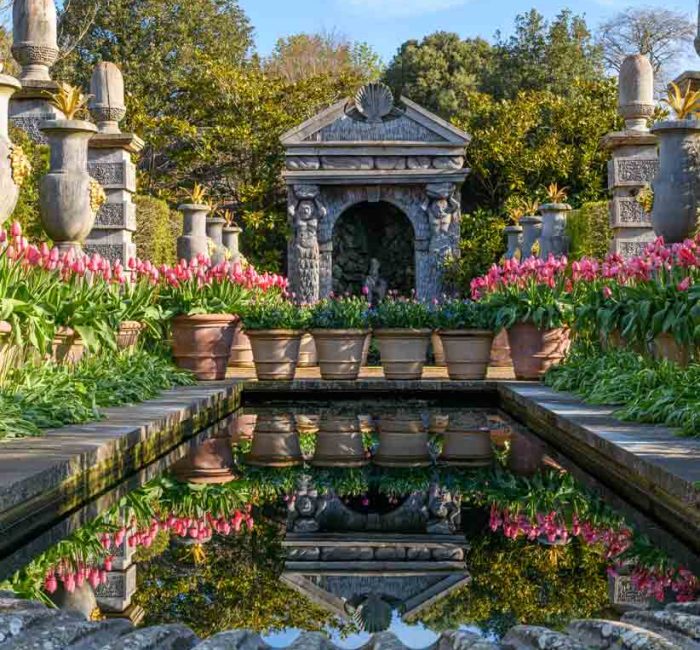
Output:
[[599, 633], [678, 627], [160, 637], [692, 607], [534, 637]]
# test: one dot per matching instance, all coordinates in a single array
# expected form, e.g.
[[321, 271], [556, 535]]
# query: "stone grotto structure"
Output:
[[373, 194]]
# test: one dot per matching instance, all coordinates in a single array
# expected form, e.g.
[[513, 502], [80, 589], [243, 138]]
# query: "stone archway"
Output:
[[367, 231]]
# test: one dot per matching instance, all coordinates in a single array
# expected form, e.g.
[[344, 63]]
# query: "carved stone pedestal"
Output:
[[115, 595]]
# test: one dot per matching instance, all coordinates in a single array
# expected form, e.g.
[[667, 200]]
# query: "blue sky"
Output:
[[385, 24]]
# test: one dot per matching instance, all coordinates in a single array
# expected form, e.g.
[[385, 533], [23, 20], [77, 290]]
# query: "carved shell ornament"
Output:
[[98, 197], [374, 101], [20, 165]]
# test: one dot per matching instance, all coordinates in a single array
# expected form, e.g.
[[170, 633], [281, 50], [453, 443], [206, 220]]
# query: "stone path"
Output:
[[27, 625]]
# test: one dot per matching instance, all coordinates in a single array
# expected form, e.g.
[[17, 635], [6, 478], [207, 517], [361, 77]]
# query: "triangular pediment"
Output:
[[406, 123]]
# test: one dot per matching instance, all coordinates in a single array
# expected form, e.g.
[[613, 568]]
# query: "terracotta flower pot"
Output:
[[275, 352], [67, 347], [467, 442], [500, 351], [438, 350], [467, 353], [275, 442], [241, 350], [128, 334], [403, 352], [209, 462], [308, 357], [403, 442], [339, 443], [202, 344], [534, 351], [666, 347], [339, 352]]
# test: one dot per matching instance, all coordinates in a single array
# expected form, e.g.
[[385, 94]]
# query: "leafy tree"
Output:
[[157, 228], [589, 230]]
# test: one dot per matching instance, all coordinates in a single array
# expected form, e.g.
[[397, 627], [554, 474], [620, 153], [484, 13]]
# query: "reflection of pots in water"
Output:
[[366, 423], [438, 423], [403, 442], [339, 443], [501, 432], [526, 455], [467, 441], [242, 426], [275, 442], [306, 423], [209, 462]]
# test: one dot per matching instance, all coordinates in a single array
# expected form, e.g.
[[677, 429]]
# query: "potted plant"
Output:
[[274, 325], [402, 329], [203, 304], [674, 214], [531, 301], [340, 327], [466, 332]]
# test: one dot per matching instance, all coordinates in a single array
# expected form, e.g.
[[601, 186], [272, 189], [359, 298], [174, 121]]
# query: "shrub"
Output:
[[589, 232], [157, 231]]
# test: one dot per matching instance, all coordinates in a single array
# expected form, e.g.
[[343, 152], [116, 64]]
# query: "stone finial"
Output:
[[636, 92], [35, 41], [107, 105]]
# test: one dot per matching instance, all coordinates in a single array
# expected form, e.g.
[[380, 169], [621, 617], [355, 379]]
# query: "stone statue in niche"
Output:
[[375, 286], [306, 212], [443, 211]]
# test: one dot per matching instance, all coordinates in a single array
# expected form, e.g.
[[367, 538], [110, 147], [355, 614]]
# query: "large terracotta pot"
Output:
[[209, 462], [339, 443], [339, 352], [467, 353], [500, 351], [403, 442], [403, 352], [128, 334], [308, 357], [467, 442], [275, 442], [534, 351], [67, 347], [275, 352], [202, 344], [666, 347], [241, 350], [438, 350]]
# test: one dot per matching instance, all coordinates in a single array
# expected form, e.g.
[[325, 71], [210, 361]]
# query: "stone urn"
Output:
[[467, 442], [467, 353], [339, 352], [275, 353], [107, 105], [209, 462], [241, 350], [553, 240], [403, 351], [65, 192], [193, 241], [230, 237], [674, 215], [532, 229], [275, 442], [10, 172], [34, 31], [403, 442], [339, 443], [215, 234], [514, 235]]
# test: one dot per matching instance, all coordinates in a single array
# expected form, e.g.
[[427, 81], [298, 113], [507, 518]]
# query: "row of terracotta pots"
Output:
[[663, 347]]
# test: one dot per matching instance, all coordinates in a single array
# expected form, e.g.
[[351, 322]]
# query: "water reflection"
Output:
[[356, 518]]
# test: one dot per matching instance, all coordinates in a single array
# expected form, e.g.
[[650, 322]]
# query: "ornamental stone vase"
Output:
[[532, 229], [193, 241], [65, 192], [230, 237], [514, 235], [553, 240], [674, 215], [107, 104], [9, 188], [34, 33], [215, 233]]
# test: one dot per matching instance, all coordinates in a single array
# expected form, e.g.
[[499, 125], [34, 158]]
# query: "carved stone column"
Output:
[[35, 48], [305, 212], [514, 236], [634, 161], [215, 233], [109, 162], [532, 229], [231, 244]]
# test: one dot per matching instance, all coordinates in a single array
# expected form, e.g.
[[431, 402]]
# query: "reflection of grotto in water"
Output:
[[373, 230]]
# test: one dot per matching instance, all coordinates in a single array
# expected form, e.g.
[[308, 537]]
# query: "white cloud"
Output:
[[399, 8]]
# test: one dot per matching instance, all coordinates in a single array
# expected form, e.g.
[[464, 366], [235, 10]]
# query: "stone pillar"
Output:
[[215, 233], [109, 162], [231, 244], [35, 48], [532, 229], [634, 161], [194, 231], [553, 239], [514, 235]]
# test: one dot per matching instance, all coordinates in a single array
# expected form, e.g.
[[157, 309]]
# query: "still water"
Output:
[[355, 517]]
